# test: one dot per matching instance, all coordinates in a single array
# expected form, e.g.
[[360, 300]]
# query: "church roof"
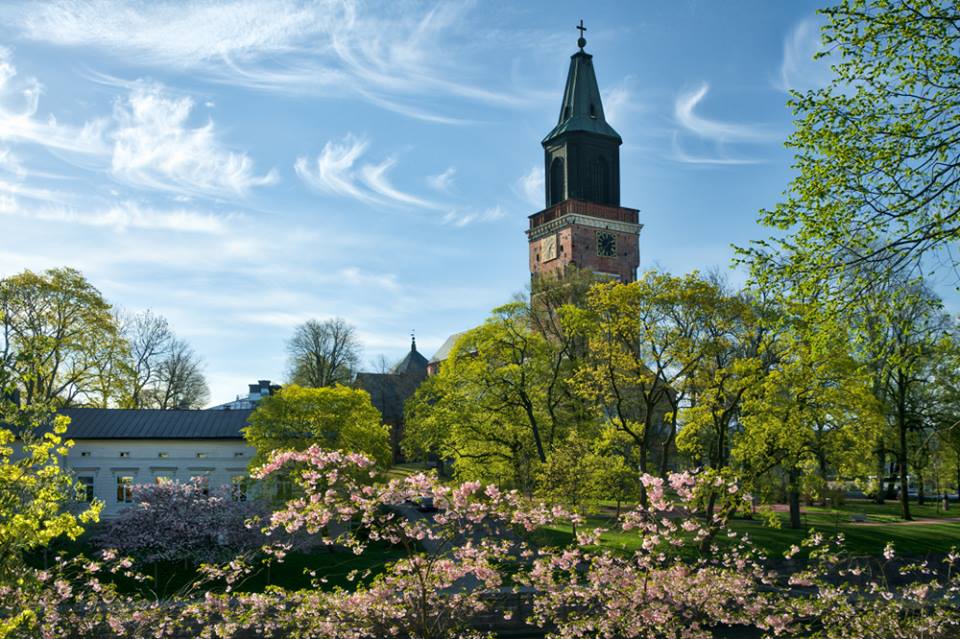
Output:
[[444, 351], [414, 362], [115, 423], [582, 108]]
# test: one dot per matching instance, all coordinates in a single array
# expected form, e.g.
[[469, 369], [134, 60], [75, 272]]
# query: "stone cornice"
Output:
[[583, 220]]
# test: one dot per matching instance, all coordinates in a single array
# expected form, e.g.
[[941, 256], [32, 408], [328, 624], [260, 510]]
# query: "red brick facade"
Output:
[[575, 225]]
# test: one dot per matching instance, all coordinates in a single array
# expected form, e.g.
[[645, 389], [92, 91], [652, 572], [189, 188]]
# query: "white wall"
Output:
[[220, 460]]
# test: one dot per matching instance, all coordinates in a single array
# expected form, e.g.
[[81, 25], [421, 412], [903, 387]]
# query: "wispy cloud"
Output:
[[336, 171], [126, 215], [19, 102], [685, 114], [156, 148], [530, 187], [401, 57], [357, 277], [461, 218], [799, 71], [375, 177], [442, 182], [146, 142], [618, 101], [678, 154]]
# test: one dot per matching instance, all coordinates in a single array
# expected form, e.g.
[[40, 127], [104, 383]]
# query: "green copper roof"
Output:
[[582, 109]]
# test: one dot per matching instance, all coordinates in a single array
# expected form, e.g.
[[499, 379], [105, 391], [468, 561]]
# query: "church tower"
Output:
[[583, 223]]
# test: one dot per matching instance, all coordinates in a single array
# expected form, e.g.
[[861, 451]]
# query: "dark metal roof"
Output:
[[582, 108], [414, 362], [113, 423]]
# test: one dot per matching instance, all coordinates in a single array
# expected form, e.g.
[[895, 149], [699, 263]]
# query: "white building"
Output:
[[116, 449]]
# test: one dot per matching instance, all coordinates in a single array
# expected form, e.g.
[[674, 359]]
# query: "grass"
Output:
[[910, 539]]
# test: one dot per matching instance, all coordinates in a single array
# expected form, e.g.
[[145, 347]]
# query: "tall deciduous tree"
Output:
[[58, 338], [337, 418], [812, 412], [501, 400], [877, 149], [180, 383], [165, 372], [323, 353]]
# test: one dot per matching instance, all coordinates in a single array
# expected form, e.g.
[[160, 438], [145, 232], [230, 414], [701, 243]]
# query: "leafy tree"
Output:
[[59, 341], [500, 404], [813, 411], [877, 151], [337, 417], [36, 490], [323, 353], [572, 476]]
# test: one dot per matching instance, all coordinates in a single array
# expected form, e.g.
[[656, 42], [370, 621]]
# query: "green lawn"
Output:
[[914, 539]]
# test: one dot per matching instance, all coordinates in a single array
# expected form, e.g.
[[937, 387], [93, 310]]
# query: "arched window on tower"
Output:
[[598, 181], [602, 180], [556, 181]]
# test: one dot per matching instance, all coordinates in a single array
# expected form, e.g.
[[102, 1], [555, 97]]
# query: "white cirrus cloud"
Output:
[[19, 102], [685, 113], [530, 186], [399, 56], [124, 215], [337, 171], [799, 71], [461, 218], [154, 146], [357, 277], [443, 181], [678, 154]]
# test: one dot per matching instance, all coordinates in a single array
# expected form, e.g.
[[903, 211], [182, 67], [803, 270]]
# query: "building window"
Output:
[[238, 488], [163, 455], [85, 453], [238, 454], [162, 479], [201, 455], [85, 489], [124, 453], [125, 488], [556, 181]]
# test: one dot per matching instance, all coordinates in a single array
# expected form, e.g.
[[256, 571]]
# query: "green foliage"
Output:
[[37, 493], [337, 418], [59, 341], [501, 403], [574, 475], [876, 152]]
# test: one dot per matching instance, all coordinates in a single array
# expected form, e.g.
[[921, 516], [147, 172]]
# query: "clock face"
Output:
[[606, 244], [548, 248]]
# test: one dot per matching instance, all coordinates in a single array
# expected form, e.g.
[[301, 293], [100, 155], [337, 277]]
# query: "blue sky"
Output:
[[242, 167]]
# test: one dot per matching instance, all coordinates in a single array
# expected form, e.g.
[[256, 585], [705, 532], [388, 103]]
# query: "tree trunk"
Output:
[[902, 453], [665, 458], [793, 497], [881, 473], [921, 496]]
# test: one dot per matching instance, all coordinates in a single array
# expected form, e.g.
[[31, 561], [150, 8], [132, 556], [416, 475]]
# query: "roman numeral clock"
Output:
[[583, 223]]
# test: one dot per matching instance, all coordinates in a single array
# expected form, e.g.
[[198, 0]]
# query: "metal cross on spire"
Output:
[[581, 41]]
